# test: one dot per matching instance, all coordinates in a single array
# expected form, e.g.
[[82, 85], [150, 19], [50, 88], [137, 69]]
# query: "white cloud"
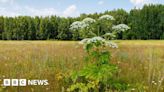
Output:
[[7, 1], [70, 11], [140, 3], [40, 12], [101, 2], [5, 12], [137, 2], [4, 1]]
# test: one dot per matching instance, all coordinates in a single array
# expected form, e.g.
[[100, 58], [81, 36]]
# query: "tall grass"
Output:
[[141, 63]]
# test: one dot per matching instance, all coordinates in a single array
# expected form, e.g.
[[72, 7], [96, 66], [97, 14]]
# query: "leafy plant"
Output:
[[99, 73]]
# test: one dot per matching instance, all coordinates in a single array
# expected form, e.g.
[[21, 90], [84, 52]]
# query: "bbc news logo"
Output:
[[14, 82], [24, 82]]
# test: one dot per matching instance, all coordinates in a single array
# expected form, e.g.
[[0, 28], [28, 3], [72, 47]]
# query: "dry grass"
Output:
[[141, 63]]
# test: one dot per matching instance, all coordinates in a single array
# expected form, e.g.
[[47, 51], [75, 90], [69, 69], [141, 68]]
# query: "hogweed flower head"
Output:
[[111, 35], [97, 42], [84, 41], [92, 40], [89, 20], [78, 25], [96, 39], [81, 24], [111, 44], [120, 28], [106, 17]]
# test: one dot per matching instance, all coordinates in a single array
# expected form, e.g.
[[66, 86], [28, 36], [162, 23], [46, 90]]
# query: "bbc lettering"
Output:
[[24, 82], [14, 82]]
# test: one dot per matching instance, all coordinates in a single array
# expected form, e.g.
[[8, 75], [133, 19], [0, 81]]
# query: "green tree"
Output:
[[63, 29], [1, 26]]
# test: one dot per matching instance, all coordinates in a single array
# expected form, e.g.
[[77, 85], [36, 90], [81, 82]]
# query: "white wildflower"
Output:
[[78, 25], [84, 25], [111, 44], [75, 25], [110, 35], [106, 17], [84, 41], [95, 40], [121, 27], [89, 20], [99, 40], [92, 40]]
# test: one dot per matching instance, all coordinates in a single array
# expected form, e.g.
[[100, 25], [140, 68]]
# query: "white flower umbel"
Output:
[[111, 35], [95, 40], [81, 24], [89, 20], [84, 41], [120, 28], [78, 25], [106, 17], [111, 44], [92, 40], [98, 41]]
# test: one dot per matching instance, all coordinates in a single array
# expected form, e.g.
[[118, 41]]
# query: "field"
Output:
[[141, 63]]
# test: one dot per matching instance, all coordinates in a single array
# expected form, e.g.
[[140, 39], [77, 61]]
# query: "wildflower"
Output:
[[111, 35], [111, 44], [120, 27], [101, 41], [92, 40], [96, 39], [106, 17], [81, 24], [89, 20], [83, 41], [78, 25], [75, 25]]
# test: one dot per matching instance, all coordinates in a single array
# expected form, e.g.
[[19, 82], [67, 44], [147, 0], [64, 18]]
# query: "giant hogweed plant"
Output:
[[98, 73], [83, 29]]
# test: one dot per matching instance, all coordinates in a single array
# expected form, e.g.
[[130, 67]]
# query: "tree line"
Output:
[[145, 23]]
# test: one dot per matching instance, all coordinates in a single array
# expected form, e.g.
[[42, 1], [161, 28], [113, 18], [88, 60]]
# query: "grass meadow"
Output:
[[141, 63]]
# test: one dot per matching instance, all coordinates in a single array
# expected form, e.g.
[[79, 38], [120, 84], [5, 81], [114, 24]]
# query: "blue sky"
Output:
[[66, 8]]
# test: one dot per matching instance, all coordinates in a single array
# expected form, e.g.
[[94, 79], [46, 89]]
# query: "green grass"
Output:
[[141, 63]]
